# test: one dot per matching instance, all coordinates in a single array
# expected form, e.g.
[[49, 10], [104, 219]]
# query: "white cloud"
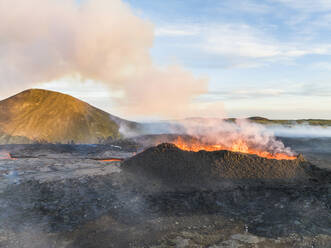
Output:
[[245, 93], [239, 40], [174, 31], [307, 5], [281, 90], [245, 41], [242, 45], [322, 66], [322, 21], [259, 92], [246, 6]]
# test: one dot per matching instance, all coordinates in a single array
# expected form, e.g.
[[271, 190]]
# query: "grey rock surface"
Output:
[[74, 201]]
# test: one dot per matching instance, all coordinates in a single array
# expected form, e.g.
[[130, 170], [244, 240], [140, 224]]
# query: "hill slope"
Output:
[[41, 115]]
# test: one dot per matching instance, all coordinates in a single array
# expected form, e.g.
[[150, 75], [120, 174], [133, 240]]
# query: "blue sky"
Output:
[[270, 58]]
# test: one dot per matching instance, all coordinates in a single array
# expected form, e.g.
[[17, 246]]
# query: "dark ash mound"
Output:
[[171, 165]]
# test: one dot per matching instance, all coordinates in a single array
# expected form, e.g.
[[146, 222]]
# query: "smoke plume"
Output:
[[216, 131], [301, 131], [102, 40]]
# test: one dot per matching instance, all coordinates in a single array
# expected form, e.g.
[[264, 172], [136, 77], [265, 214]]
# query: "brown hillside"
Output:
[[42, 115]]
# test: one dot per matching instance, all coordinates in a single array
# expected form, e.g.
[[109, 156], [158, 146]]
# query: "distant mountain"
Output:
[[312, 122], [45, 116]]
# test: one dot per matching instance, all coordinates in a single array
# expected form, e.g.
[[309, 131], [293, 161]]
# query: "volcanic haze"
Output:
[[99, 40]]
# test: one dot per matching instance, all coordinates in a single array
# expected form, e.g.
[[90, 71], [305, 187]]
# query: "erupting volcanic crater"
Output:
[[173, 165], [238, 146]]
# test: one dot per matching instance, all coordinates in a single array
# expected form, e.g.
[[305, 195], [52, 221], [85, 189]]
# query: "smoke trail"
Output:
[[216, 131], [298, 131], [102, 40], [226, 133]]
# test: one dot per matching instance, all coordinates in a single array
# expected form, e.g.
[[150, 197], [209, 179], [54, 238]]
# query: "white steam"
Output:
[[101, 40], [217, 131], [221, 132], [298, 131]]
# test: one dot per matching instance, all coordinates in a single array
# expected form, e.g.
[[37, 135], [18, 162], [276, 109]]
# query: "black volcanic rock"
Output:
[[82, 203], [171, 165]]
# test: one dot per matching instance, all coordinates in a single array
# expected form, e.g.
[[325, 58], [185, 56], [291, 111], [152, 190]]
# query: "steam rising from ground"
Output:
[[255, 136], [225, 133], [298, 131], [102, 40]]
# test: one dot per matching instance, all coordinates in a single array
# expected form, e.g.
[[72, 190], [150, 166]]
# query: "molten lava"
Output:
[[238, 146], [111, 160]]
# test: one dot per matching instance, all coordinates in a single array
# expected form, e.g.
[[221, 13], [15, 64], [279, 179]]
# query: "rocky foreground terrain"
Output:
[[67, 196]]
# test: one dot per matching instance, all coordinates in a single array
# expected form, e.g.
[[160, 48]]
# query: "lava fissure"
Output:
[[240, 145], [111, 160]]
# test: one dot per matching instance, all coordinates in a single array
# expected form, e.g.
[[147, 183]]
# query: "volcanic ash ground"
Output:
[[64, 196]]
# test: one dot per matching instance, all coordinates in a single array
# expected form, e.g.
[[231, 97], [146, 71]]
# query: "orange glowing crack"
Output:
[[238, 146], [111, 160]]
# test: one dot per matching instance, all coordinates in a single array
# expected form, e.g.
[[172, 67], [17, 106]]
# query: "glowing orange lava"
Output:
[[239, 146], [111, 160]]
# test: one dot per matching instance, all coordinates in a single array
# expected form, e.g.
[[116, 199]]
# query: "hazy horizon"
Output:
[[146, 119]]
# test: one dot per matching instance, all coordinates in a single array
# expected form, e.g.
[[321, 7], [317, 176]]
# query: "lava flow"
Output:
[[111, 160], [238, 146]]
